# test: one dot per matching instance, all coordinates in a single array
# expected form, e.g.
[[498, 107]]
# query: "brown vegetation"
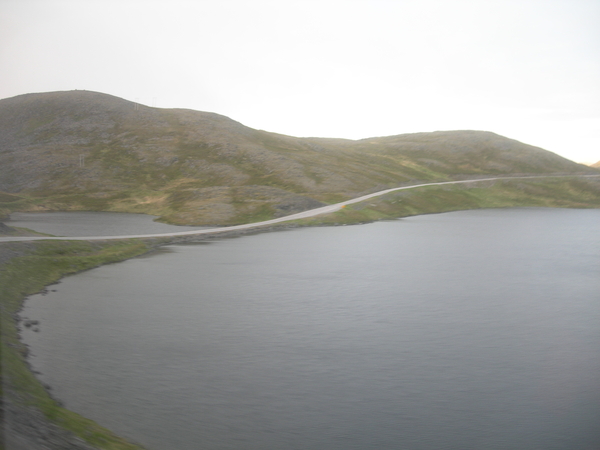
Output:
[[81, 150]]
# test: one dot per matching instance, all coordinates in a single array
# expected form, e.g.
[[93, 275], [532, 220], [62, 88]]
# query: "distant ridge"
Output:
[[88, 150]]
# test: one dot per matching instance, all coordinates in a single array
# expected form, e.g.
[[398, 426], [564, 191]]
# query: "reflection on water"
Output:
[[92, 223], [466, 330]]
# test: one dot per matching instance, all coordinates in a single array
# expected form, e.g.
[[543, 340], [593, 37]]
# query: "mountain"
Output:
[[596, 165], [93, 151]]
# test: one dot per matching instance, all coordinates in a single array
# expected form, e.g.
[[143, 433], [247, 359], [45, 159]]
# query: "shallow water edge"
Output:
[[20, 250]]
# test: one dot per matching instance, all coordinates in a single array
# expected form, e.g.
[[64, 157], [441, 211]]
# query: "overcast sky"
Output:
[[526, 69]]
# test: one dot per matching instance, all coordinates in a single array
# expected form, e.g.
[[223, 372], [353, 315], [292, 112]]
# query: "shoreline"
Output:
[[32, 418], [338, 208], [24, 426], [28, 426]]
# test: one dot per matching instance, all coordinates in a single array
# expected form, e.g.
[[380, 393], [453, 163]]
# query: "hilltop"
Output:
[[92, 151]]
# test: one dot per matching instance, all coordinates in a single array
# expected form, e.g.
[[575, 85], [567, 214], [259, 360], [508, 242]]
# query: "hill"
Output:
[[596, 165], [92, 151]]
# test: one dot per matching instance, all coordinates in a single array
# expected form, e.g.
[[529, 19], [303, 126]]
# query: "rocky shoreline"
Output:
[[25, 427]]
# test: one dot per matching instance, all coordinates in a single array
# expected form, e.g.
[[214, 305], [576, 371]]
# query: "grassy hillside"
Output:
[[561, 192], [81, 150]]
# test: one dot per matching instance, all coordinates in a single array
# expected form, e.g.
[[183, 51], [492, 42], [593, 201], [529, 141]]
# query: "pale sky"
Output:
[[525, 69]]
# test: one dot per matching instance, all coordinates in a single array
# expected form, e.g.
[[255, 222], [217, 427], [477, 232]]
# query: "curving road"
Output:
[[305, 214]]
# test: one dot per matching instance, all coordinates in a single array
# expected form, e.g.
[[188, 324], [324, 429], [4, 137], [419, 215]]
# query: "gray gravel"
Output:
[[26, 428]]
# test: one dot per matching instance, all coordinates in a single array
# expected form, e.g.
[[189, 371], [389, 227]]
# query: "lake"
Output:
[[464, 330]]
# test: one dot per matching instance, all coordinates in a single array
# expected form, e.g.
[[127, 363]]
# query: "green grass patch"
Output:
[[16, 203], [8, 198], [258, 214], [44, 263]]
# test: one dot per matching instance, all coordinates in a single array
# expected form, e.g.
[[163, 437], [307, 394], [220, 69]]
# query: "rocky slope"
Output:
[[92, 151]]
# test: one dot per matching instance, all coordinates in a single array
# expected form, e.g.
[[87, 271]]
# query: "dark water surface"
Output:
[[466, 330], [87, 223]]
